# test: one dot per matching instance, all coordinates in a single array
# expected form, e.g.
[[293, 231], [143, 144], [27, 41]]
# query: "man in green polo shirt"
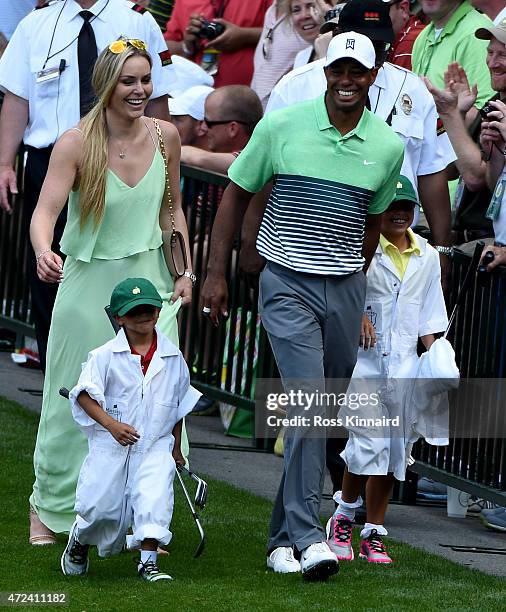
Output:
[[334, 165], [450, 38]]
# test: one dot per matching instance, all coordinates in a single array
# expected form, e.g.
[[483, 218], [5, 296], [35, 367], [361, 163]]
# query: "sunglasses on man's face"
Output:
[[211, 124]]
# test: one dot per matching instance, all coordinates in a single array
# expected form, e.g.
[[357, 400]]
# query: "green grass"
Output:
[[231, 573]]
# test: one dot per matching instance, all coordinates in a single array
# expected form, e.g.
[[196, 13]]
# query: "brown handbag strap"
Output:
[[167, 193]]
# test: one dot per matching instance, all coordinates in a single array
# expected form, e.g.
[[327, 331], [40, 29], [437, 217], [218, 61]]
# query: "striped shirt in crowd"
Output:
[[275, 53], [161, 11]]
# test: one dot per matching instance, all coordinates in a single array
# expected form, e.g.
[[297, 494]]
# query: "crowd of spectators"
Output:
[[219, 66]]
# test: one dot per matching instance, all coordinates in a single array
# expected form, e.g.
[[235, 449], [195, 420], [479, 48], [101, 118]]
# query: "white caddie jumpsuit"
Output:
[[122, 486], [401, 312]]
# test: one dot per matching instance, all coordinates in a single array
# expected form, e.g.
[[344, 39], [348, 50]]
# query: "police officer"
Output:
[[45, 74]]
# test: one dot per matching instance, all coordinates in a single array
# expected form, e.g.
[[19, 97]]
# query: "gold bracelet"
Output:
[[37, 257]]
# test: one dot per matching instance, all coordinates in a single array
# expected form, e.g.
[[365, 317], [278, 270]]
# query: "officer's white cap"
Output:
[[191, 102], [188, 75], [351, 45]]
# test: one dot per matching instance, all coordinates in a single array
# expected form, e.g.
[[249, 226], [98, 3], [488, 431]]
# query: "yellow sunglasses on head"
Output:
[[118, 46]]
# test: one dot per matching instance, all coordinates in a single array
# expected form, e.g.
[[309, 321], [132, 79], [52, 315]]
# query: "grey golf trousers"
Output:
[[313, 323]]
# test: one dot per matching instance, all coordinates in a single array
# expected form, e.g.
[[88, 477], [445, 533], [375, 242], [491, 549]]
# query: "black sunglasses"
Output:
[[211, 124]]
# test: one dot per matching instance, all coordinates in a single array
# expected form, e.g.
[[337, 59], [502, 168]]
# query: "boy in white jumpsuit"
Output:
[[129, 401], [404, 302]]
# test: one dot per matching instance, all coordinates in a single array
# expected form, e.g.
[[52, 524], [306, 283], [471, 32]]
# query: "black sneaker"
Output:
[[149, 571], [74, 561]]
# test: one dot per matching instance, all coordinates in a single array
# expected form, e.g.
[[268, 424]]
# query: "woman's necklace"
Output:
[[122, 151]]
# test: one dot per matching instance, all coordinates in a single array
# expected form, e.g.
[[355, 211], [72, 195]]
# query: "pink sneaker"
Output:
[[373, 550], [339, 531]]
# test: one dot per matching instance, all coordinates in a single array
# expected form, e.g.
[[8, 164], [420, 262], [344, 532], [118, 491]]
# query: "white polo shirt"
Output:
[[46, 37], [414, 117]]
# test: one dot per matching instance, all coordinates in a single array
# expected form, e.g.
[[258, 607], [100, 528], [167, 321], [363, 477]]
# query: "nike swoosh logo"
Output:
[[366, 163]]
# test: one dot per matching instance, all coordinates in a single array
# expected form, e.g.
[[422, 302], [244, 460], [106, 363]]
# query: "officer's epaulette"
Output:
[[401, 68], [139, 9]]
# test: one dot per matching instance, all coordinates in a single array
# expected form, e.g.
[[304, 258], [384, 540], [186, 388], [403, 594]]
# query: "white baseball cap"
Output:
[[191, 102], [188, 75], [351, 45]]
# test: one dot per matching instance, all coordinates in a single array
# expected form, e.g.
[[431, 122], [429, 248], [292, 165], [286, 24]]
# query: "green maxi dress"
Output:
[[126, 244]]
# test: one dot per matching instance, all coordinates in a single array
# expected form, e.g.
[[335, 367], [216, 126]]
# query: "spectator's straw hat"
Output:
[[188, 75], [191, 102], [498, 31]]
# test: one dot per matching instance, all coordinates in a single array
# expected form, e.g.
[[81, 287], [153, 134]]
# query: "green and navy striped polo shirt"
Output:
[[324, 185]]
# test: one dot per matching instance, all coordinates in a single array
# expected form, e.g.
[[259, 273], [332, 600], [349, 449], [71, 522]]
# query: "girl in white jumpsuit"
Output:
[[404, 302]]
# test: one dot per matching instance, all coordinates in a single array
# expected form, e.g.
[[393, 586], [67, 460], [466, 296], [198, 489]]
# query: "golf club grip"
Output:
[[64, 392]]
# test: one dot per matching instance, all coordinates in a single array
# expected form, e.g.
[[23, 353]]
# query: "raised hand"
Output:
[[446, 100], [456, 81], [231, 40]]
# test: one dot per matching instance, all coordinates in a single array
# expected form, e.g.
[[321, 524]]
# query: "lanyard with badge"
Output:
[[494, 207], [54, 72]]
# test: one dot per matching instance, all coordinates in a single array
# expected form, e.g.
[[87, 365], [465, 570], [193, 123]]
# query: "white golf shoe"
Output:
[[282, 561], [318, 562]]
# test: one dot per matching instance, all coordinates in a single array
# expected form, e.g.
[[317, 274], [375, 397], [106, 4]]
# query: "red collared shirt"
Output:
[[402, 49], [234, 67], [146, 359]]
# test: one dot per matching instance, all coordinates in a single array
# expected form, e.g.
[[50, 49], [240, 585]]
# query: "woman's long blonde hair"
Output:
[[93, 171]]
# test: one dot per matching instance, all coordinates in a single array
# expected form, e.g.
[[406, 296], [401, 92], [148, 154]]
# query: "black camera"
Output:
[[210, 30], [485, 111]]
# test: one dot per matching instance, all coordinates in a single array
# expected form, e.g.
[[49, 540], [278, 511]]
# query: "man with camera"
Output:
[[472, 220], [220, 35]]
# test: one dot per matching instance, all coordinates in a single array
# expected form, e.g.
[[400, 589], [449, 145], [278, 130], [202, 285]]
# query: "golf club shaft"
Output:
[[466, 284]]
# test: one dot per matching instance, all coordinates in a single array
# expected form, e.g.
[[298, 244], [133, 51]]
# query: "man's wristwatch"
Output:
[[189, 274], [444, 250]]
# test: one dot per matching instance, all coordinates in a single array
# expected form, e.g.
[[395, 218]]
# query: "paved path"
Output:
[[421, 526]]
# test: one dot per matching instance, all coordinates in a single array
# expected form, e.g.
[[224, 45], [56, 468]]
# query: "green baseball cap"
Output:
[[405, 191], [133, 292]]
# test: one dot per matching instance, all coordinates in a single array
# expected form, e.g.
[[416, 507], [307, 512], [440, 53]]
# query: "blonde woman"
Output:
[[307, 16], [112, 171]]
